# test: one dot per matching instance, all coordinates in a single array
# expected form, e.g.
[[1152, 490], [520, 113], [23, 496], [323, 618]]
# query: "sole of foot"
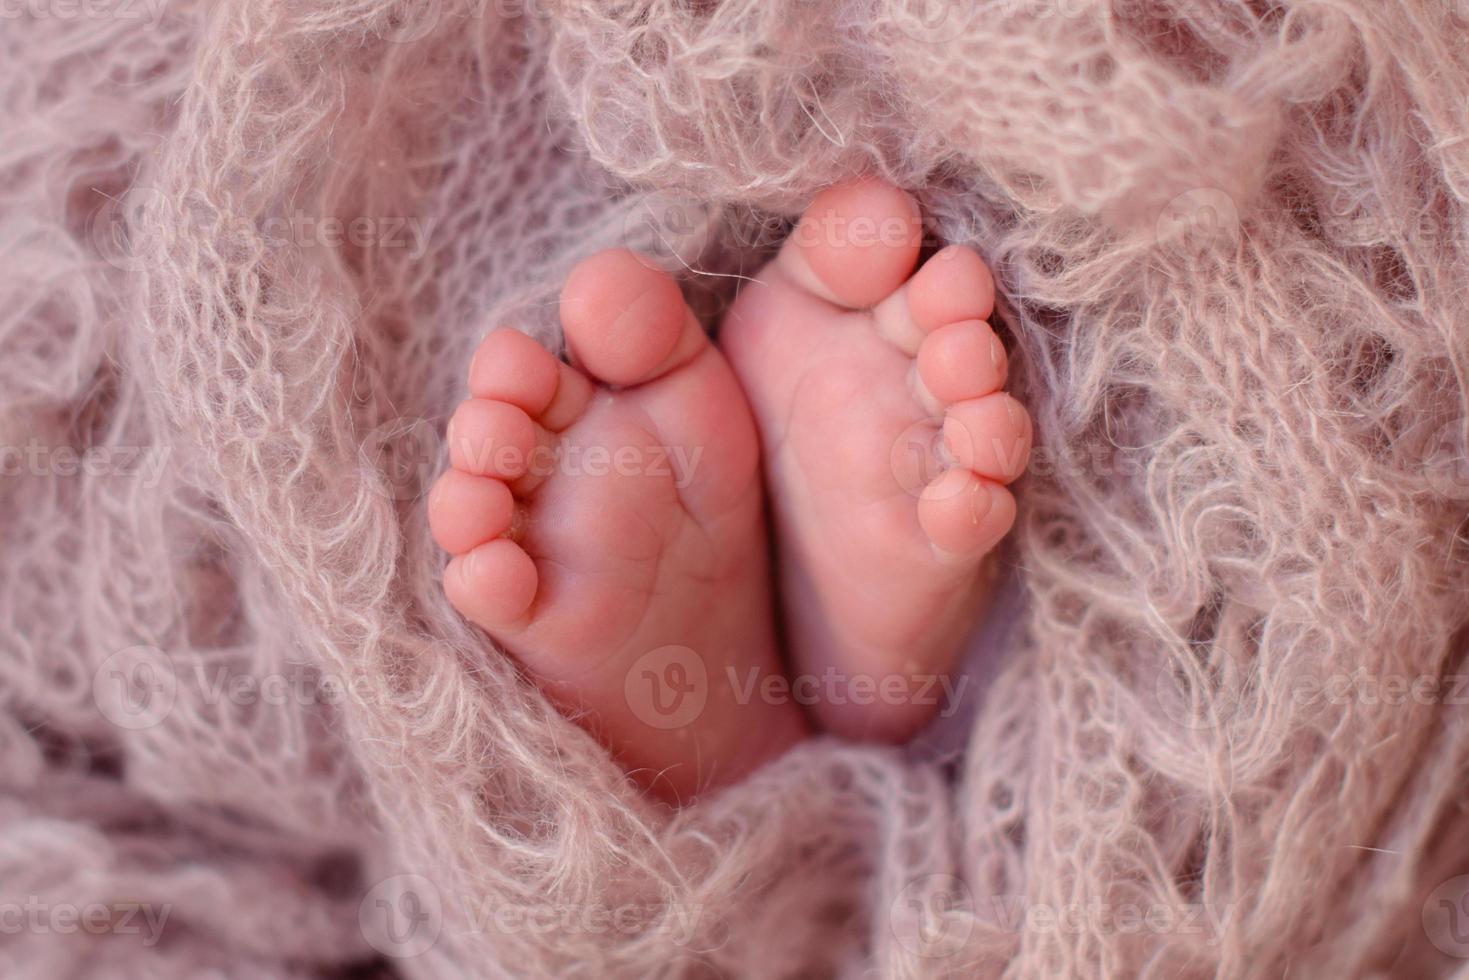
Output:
[[889, 443], [607, 528]]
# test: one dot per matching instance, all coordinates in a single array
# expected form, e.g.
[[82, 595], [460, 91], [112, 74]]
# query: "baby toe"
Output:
[[492, 586], [512, 367], [953, 285], [855, 244], [964, 514], [990, 435], [491, 438], [625, 321], [465, 511], [963, 360]]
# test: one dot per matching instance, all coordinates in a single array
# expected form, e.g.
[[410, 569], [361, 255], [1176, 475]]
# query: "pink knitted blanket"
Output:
[[248, 246]]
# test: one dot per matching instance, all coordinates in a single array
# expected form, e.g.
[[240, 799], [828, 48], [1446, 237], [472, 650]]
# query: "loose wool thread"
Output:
[[249, 247]]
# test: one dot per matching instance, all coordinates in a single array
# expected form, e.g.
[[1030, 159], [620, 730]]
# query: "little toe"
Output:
[[990, 435], [492, 586], [855, 244], [465, 511], [491, 438], [625, 321], [963, 360], [965, 515]]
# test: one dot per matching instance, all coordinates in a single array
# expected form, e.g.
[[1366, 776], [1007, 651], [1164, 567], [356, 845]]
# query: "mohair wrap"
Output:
[[247, 248]]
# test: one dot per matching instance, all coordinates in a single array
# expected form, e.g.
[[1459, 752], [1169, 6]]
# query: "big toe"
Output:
[[625, 321], [856, 243]]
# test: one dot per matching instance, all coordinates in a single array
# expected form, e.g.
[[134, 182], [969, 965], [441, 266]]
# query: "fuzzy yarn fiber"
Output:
[[248, 246]]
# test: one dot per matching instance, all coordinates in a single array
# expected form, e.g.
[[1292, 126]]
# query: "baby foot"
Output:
[[888, 444], [607, 527]]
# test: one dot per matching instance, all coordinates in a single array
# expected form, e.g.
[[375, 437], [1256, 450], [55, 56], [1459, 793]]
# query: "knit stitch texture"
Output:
[[248, 247]]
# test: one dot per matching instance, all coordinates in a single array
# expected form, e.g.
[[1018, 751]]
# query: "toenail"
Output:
[[995, 349]]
